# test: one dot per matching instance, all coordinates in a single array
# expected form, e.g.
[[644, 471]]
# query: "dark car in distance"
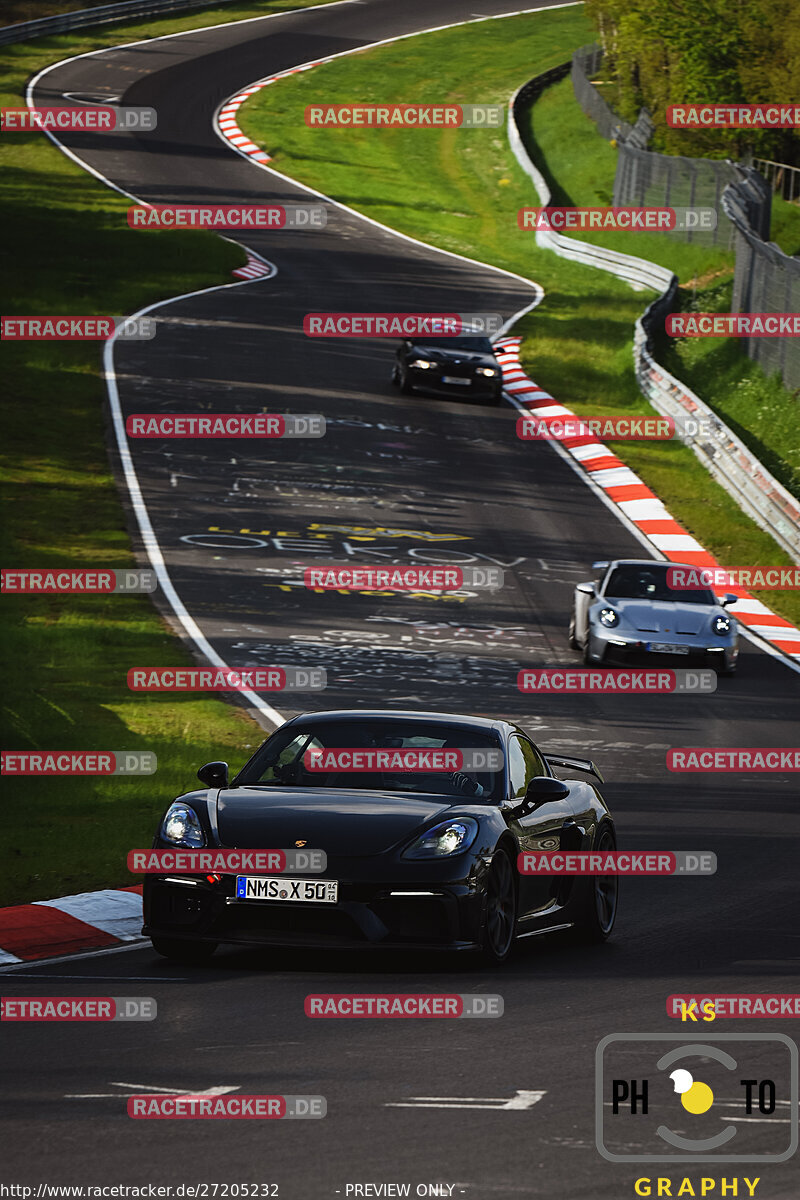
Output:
[[463, 366], [416, 858]]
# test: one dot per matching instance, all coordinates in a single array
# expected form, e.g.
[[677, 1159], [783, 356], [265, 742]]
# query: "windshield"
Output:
[[381, 755], [650, 583], [482, 344]]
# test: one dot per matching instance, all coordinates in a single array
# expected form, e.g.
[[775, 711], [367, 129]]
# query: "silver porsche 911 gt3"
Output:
[[631, 614]]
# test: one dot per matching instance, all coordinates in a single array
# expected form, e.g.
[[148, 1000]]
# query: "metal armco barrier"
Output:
[[106, 14], [723, 454]]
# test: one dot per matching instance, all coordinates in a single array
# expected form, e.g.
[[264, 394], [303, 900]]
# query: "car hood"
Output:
[[654, 616], [442, 355], [330, 819]]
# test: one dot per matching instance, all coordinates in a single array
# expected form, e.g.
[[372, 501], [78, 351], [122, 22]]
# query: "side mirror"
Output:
[[541, 789], [586, 588], [214, 774], [729, 598], [599, 566]]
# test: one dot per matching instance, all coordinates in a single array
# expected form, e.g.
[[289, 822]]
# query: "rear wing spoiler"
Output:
[[575, 764]]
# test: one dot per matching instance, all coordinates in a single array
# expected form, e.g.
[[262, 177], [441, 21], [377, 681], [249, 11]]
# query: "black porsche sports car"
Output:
[[463, 366], [416, 857]]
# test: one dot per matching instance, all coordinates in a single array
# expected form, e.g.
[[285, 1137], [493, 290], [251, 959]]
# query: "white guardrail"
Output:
[[105, 14], [720, 451]]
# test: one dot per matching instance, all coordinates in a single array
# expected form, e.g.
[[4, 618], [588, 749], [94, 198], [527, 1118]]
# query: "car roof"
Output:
[[359, 714], [652, 562]]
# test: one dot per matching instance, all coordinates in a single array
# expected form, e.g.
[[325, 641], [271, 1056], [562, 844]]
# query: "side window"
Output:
[[274, 770], [523, 764]]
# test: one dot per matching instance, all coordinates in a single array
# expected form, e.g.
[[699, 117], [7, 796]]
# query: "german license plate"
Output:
[[278, 887], [666, 648], [457, 380]]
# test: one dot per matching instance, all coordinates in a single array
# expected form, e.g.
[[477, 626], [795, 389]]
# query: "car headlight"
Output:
[[485, 371], [182, 827], [451, 837], [721, 625], [421, 364], [609, 617]]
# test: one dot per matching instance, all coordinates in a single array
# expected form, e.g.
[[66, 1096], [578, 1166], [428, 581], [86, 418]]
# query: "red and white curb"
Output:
[[226, 117], [635, 500], [255, 267], [88, 921]]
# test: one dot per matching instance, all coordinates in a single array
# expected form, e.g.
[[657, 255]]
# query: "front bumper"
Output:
[[638, 652], [479, 387], [366, 915]]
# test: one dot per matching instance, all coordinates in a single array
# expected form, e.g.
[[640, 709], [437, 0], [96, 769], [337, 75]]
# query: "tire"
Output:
[[395, 376], [573, 641], [500, 909], [588, 661], [177, 950], [403, 383], [596, 922]]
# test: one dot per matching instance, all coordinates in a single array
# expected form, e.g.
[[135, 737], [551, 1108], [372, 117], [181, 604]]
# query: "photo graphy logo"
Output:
[[707, 1097]]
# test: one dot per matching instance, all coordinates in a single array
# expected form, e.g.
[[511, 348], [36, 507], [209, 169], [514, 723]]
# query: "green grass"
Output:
[[65, 659], [461, 190]]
